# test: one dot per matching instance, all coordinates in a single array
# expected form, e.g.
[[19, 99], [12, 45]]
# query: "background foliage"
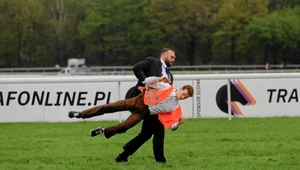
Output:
[[49, 32]]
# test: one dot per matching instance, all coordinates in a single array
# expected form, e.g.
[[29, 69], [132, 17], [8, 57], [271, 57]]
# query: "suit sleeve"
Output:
[[142, 67]]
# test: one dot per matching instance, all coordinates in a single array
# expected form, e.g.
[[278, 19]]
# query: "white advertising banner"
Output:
[[51, 98], [53, 101], [249, 97], [18, 104], [67, 97]]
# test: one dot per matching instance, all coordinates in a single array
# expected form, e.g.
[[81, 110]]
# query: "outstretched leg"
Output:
[[132, 104], [122, 127]]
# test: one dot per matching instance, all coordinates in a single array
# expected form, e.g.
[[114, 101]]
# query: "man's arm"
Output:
[[153, 79], [176, 125], [157, 82], [142, 67]]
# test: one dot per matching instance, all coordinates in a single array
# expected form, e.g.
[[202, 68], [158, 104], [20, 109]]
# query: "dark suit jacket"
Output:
[[148, 67]]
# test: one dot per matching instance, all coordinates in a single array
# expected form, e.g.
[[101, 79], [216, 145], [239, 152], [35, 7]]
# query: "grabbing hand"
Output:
[[141, 88], [180, 121], [164, 79], [176, 125]]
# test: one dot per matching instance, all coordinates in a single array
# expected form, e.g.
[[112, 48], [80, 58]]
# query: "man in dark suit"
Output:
[[151, 125]]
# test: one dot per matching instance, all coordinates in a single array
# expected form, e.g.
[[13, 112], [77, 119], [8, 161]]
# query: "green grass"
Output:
[[239, 144]]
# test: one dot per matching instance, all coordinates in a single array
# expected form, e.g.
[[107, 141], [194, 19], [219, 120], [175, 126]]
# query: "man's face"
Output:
[[169, 58], [182, 94]]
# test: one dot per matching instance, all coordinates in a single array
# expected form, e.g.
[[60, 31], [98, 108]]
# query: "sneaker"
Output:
[[73, 114], [120, 159], [97, 131]]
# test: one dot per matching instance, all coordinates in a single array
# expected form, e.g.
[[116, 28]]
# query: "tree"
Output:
[[280, 4], [18, 31], [232, 17], [64, 18], [114, 31], [277, 35], [58, 11], [184, 25]]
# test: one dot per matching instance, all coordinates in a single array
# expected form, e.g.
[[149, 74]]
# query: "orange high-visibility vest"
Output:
[[154, 96], [169, 118]]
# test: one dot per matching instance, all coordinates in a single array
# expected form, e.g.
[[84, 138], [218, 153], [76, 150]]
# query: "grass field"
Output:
[[239, 144]]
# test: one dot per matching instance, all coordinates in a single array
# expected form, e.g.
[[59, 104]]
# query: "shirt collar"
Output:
[[163, 63]]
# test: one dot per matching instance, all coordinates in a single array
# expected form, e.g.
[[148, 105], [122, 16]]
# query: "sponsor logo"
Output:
[[46, 98], [239, 94], [283, 95], [198, 98]]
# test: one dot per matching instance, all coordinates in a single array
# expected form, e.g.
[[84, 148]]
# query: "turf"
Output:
[[242, 143]]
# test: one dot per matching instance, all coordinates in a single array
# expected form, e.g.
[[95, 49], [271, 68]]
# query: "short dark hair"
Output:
[[190, 89], [166, 49]]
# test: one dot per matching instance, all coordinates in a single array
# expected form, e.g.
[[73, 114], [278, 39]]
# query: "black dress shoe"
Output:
[[161, 162], [120, 159]]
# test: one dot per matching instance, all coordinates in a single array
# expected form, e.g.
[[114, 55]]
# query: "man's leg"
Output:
[[135, 103], [134, 144], [122, 127], [158, 140]]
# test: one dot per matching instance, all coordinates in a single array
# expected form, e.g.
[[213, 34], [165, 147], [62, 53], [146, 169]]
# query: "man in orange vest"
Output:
[[158, 97]]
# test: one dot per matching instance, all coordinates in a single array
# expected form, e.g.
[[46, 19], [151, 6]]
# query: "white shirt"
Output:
[[163, 68], [167, 105]]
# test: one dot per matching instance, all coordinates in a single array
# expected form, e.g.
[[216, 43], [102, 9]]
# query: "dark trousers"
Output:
[[151, 126]]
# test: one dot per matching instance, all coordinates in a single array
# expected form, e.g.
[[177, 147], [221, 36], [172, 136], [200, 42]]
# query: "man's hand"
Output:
[[176, 125], [154, 80], [180, 121], [164, 79], [141, 88]]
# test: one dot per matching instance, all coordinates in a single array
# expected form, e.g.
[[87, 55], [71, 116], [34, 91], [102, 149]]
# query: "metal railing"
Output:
[[127, 70]]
